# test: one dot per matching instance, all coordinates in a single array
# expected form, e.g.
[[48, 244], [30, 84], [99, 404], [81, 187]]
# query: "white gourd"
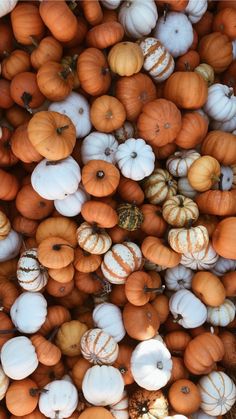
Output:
[[108, 317], [138, 17], [59, 400], [29, 312], [31, 275], [71, 205], [99, 146]]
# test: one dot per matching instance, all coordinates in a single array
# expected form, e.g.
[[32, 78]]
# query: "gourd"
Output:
[[29, 311], [60, 399], [108, 317]]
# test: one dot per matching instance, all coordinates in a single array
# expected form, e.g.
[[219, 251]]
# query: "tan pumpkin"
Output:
[[69, 336], [188, 239], [203, 173], [125, 58], [179, 210]]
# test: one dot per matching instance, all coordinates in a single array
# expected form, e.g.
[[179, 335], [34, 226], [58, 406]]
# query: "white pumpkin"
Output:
[[103, 385], [178, 278], [108, 317], [71, 205], [77, 108], [151, 364], [99, 146], [111, 4], [31, 275], [93, 240], [125, 132], [29, 311], [218, 393], [10, 246], [59, 400], [120, 410], [195, 10], [157, 60], [56, 180], [187, 309], [99, 347], [6, 6], [135, 159], [175, 32], [183, 240], [221, 102], [227, 126], [204, 260], [202, 415], [223, 265], [18, 358], [179, 162], [234, 49], [221, 315], [138, 17], [184, 188], [4, 383], [119, 262], [227, 177]]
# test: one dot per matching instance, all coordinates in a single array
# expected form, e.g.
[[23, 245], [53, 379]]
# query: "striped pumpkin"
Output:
[[159, 186], [121, 261], [179, 210], [93, 240], [179, 163], [5, 226], [204, 260], [157, 60], [99, 347], [185, 240], [120, 410], [31, 275], [130, 217]]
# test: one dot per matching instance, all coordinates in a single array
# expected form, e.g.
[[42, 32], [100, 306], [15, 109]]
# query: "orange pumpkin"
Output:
[[203, 173], [130, 191], [24, 225], [55, 80], [118, 296], [55, 252], [223, 238], [188, 61], [105, 35], [89, 282], [47, 353], [22, 397], [26, 23], [184, 397], [229, 283], [153, 223], [78, 371], [215, 49], [6, 324], [9, 186], [139, 288], [92, 11], [224, 22], [174, 5], [229, 76], [179, 371], [49, 49], [31, 205], [193, 131], [59, 226], [161, 305], [208, 221], [86, 262], [107, 113], [123, 362], [17, 62], [59, 19], [17, 116], [177, 341], [44, 374], [217, 202], [59, 289], [7, 39], [6, 101], [140, 323], [25, 91], [56, 315], [7, 158], [22, 147], [157, 252], [204, 25], [208, 288], [100, 178], [64, 275], [99, 213], [220, 145]]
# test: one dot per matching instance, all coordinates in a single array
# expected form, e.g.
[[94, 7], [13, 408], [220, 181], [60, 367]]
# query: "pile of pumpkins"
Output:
[[117, 209]]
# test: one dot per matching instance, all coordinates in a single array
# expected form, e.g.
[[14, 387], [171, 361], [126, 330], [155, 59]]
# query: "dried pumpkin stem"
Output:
[[36, 391], [8, 331], [26, 99], [178, 318], [159, 290], [53, 333], [221, 182], [65, 72], [61, 129], [189, 223], [185, 390]]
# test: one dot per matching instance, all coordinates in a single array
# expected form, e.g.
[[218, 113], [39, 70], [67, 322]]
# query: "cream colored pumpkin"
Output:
[[120, 410], [196, 9], [121, 261], [99, 146], [157, 60], [178, 278], [138, 17], [151, 364], [4, 383], [108, 317], [31, 275], [71, 205], [5, 225], [202, 261], [159, 186], [184, 188], [99, 347], [59, 400], [187, 309], [227, 177], [179, 211], [93, 240], [221, 102], [207, 73], [10, 246], [29, 311], [179, 163], [221, 315], [188, 240], [218, 393]]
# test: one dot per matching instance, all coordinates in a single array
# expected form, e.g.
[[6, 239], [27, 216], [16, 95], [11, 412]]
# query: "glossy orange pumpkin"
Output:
[[107, 113], [100, 178]]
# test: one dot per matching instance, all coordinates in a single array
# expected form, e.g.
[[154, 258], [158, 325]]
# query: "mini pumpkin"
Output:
[[99, 347], [130, 217], [188, 239], [92, 239], [100, 178], [179, 163], [159, 186], [125, 58], [179, 210], [148, 404]]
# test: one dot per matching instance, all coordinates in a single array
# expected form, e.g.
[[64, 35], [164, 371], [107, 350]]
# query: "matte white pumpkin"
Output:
[[204, 260], [18, 358], [187, 309], [77, 108], [227, 126], [179, 162], [10, 246], [151, 364], [227, 177], [196, 9], [71, 205], [99, 347], [108, 317], [221, 315], [111, 4], [178, 278], [135, 159], [29, 312], [221, 102], [59, 400], [138, 17], [120, 410], [223, 265], [184, 188], [99, 146], [218, 393], [56, 180], [175, 32], [202, 415], [31, 275], [103, 385], [6, 6], [4, 383]]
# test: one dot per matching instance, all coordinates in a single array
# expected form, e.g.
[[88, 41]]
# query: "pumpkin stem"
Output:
[[133, 155], [187, 66], [34, 41], [53, 162], [36, 391], [159, 290], [6, 54], [105, 284], [160, 365], [61, 129], [185, 390], [189, 223], [105, 71], [53, 333], [8, 331], [231, 92], [181, 201], [165, 11], [65, 72], [100, 174], [178, 318], [221, 182], [57, 414], [26, 99], [58, 246]]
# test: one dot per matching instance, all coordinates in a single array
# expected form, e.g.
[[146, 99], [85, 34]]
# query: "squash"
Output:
[[148, 404], [138, 19], [99, 347], [184, 396], [125, 58], [60, 396]]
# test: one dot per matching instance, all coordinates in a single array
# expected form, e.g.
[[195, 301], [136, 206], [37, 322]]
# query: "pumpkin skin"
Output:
[[7, 39], [26, 23], [203, 173], [184, 396], [223, 238], [221, 315], [147, 404], [39, 207], [217, 141], [93, 72], [98, 347], [125, 58], [153, 222], [22, 147], [183, 305], [114, 326], [202, 352], [203, 260], [130, 191], [208, 288], [140, 323], [96, 413], [55, 252], [69, 336], [47, 353], [159, 186], [22, 397], [187, 240], [92, 12], [107, 113], [59, 19], [99, 213], [122, 363], [93, 240], [159, 122], [154, 250], [177, 341], [179, 210], [215, 49], [55, 80], [216, 202], [100, 178], [229, 342], [186, 89], [188, 61], [130, 217], [138, 288], [30, 274], [49, 49], [179, 163], [17, 62], [105, 35], [9, 186], [6, 101], [229, 283], [138, 19], [61, 226], [193, 131]]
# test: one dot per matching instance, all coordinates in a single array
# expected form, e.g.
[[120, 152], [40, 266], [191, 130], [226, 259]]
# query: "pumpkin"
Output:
[[179, 210], [125, 132], [130, 191], [9, 294], [179, 163], [125, 58], [69, 336], [99, 146], [177, 341], [105, 35], [24, 318], [22, 147], [100, 178], [203, 173], [223, 238], [99, 214], [218, 393], [207, 73], [122, 363], [17, 62], [92, 239], [153, 222], [60, 396], [129, 156], [108, 317], [4, 383], [159, 186], [55, 80], [10, 246], [224, 96], [17, 115], [26, 23], [7, 157], [223, 266], [48, 49], [25, 91], [99, 347], [159, 122], [6, 324], [7, 7], [86, 262], [96, 413], [101, 377], [184, 396], [211, 143], [195, 11], [56, 316], [93, 72], [187, 309], [221, 315], [18, 358], [71, 205], [188, 239], [203, 260], [216, 202], [31, 275], [202, 352], [22, 397], [204, 281], [226, 126], [39, 207], [229, 284], [138, 19], [47, 353], [141, 323], [156, 251], [178, 277], [139, 288], [215, 49], [55, 252], [224, 22], [107, 113], [229, 340], [130, 217], [66, 23], [61, 226], [160, 364], [148, 404], [5, 226], [175, 32]]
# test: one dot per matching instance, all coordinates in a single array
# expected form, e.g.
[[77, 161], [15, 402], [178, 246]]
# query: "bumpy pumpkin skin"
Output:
[[130, 217]]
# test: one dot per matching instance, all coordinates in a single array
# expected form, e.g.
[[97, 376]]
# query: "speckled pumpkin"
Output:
[[130, 217]]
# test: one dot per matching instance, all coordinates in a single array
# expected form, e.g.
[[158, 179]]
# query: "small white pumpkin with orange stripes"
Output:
[[179, 210], [204, 260], [99, 347], [31, 275], [93, 240], [159, 186], [179, 163], [184, 240], [121, 261]]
